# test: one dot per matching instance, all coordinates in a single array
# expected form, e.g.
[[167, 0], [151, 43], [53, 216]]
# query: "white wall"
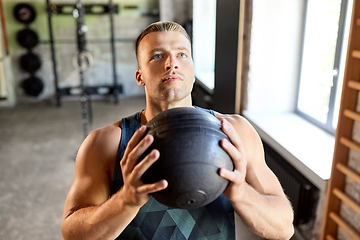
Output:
[[276, 40]]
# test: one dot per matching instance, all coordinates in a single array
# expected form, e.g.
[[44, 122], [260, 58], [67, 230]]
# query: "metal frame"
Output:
[[106, 8], [81, 41], [328, 126], [111, 9]]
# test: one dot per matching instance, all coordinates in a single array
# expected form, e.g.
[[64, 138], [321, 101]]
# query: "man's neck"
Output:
[[153, 109]]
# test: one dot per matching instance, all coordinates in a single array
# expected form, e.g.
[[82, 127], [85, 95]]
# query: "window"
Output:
[[204, 24], [323, 58]]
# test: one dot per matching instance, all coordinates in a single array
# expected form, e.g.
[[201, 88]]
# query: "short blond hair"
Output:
[[162, 26]]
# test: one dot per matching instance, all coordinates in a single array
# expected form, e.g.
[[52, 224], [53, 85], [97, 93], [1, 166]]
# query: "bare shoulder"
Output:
[[248, 135], [101, 145], [242, 126], [232, 118]]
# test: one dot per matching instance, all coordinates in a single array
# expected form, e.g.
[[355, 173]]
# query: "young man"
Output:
[[108, 200]]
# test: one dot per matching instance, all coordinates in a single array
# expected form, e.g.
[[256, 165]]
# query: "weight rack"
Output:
[[54, 9]]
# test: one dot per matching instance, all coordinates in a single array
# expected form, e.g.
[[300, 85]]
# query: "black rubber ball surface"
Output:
[[188, 140]]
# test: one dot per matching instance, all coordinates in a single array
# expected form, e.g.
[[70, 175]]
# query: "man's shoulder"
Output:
[[245, 130], [100, 148], [235, 119], [103, 141], [108, 131]]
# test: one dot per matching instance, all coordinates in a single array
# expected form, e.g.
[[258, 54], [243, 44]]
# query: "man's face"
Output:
[[165, 66]]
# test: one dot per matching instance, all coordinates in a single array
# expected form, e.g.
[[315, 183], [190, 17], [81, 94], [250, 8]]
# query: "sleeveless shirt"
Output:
[[156, 221]]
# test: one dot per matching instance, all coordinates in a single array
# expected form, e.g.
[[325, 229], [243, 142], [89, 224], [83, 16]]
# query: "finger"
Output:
[[137, 152], [144, 165], [133, 142], [231, 132], [233, 152], [238, 157], [154, 187], [233, 176]]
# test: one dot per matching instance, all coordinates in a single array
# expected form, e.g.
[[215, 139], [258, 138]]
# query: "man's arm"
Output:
[[254, 190], [89, 211]]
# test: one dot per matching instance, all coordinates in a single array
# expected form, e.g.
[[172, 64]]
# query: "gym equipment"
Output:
[[83, 60], [79, 11], [24, 13], [190, 157], [33, 86], [30, 62], [79, 14], [27, 38]]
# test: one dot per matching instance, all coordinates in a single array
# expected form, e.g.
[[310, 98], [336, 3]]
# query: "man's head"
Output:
[[166, 68], [161, 26]]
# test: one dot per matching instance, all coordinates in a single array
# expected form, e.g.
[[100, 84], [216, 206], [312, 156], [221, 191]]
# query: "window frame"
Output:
[[328, 126]]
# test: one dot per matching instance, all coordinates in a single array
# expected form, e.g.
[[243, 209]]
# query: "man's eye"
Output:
[[156, 56], [182, 55]]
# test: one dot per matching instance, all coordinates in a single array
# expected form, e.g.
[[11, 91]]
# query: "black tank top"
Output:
[[158, 222]]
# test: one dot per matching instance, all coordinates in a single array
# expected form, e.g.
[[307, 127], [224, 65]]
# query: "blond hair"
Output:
[[161, 26]]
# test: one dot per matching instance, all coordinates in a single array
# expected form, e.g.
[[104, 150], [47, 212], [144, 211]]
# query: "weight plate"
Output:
[[30, 62], [24, 13], [27, 38], [33, 86]]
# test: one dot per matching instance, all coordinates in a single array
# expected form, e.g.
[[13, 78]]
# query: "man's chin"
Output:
[[174, 95]]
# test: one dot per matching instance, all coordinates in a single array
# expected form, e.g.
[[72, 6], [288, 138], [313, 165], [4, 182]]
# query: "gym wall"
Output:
[[132, 18]]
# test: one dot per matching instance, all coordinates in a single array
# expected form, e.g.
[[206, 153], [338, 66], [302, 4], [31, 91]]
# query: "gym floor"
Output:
[[38, 142]]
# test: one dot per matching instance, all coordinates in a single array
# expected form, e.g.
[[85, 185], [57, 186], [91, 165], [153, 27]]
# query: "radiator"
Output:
[[302, 194]]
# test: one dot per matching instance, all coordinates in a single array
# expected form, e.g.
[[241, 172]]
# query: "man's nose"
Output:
[[171, 63]]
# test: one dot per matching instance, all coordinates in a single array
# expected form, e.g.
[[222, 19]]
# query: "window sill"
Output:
[[305, 146]]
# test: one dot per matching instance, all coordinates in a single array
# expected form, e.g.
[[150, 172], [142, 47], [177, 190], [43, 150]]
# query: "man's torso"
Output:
[[157, 221]]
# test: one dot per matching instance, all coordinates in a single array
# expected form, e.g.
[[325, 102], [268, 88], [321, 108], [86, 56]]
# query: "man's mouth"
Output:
[[171, 78]]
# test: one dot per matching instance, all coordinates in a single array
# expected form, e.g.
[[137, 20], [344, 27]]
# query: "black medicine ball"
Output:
[[188, 140]]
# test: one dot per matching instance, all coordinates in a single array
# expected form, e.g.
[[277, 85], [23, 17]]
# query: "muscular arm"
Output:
[[254, 190], [89, 211]]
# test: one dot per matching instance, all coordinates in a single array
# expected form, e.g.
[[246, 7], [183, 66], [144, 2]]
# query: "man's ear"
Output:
[[138, 78]]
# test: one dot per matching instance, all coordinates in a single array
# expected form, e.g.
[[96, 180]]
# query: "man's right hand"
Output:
[[135, 192]]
